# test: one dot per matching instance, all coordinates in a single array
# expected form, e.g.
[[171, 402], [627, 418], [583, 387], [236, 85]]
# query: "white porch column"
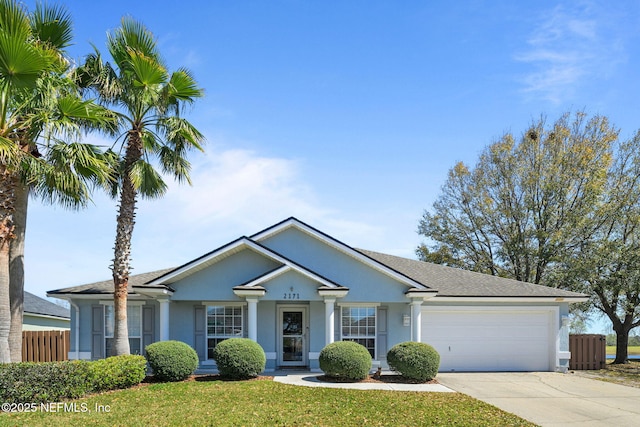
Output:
[[416, 320], [164, 319], [330, 294], [329, 320], [252, 318], [417, 297]]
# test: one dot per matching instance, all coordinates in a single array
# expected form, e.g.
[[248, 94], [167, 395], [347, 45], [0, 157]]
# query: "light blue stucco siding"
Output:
[[365, 283], [216, 282]]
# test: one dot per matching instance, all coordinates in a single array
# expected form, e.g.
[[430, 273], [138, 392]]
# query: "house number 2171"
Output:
[[291, 295]]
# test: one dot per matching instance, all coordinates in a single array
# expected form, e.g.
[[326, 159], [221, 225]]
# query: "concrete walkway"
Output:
[[310, 379], [552, 399]]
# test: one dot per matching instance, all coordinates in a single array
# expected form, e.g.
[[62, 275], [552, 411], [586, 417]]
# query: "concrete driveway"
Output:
[[552, 399]]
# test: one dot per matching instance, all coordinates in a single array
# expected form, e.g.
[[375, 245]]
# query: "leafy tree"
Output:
[[150, 101], [525, 204], [561, 207], [606, 266], [36, 99]]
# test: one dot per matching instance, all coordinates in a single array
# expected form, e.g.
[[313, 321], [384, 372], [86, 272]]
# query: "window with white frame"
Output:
[[358, 324], [223, 321], [134, 324]]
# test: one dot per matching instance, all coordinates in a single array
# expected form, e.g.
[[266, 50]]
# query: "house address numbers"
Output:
[[291, 295]]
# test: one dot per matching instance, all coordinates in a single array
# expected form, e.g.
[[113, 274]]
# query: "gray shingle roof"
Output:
[[106, 286], [454, 282], [35, 305], [448, 281]]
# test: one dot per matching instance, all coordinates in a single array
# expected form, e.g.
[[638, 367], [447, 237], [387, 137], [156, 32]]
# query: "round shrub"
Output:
[[415, 360], [346, 360], [171, 360], [118, 372], [239, 358]]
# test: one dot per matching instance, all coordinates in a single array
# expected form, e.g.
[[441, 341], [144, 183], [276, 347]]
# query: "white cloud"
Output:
[[572, 44]]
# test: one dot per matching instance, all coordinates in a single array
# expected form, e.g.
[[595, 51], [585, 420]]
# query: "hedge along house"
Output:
[[294, 289]]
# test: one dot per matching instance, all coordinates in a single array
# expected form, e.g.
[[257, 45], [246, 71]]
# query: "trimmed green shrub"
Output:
[[44, 382], [414, 360], [171, 360], [118, 372], [239, 358], [345, 359]]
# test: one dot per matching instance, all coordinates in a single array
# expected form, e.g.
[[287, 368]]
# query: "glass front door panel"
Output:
[[293, 330], [292, 349], [291, 323]]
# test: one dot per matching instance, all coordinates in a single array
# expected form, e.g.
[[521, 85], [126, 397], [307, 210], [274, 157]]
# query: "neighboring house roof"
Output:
[[419, 275], [39, 306], [106, 286], [455, 282]]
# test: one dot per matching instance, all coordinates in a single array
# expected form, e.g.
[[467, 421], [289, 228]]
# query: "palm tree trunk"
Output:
[[7, 201], [122, 251], [16, 271]]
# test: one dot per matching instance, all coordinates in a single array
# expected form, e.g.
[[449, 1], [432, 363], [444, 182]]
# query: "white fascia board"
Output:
[[152, 292], [227, 250], [199, 263], [509, 299], [292, 222], [273, 274], [72, 296]]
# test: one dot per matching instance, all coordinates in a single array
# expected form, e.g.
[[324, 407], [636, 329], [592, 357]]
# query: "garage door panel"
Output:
[[503, 340]]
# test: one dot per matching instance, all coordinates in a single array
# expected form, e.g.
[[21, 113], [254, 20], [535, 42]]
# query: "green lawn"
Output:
[[268, 403], [633, 349]]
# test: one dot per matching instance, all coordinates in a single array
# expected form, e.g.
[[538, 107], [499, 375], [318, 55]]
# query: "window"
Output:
[[222, 322], [134, 323], [359, 325]]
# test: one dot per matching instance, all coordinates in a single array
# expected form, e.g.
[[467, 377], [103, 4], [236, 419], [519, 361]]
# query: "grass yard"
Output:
[[633, 349], [268, 403]]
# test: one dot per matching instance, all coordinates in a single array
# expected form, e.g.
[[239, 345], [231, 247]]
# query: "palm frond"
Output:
[[180, 133], [147, 72], [132, 35], [51, 24], [175, 163], [147, 180], [20, 63], [9, 152], [14, 20], [183, 87]]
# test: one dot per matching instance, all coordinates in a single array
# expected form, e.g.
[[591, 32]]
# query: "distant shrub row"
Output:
[[236, 358], [53, 381]]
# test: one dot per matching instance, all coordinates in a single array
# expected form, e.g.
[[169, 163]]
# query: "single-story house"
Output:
[[294, 289], [42, 315]]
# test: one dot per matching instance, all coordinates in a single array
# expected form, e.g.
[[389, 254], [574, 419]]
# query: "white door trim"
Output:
[[304, 309]]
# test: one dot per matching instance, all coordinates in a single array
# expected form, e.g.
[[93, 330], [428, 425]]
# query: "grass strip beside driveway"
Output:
[[267, 403]]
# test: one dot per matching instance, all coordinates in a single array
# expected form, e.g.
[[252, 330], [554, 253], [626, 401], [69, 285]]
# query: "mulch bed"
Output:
[[395, 379]]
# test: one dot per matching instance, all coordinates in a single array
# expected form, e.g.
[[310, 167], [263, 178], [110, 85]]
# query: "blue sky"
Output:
[[345, 114]]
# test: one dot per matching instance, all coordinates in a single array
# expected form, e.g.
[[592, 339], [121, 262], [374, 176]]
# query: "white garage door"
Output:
[[492, 339]]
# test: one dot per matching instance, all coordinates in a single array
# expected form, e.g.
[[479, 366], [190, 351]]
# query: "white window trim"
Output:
[[129, 303], [208, 304], [104, 326], [375, 336]]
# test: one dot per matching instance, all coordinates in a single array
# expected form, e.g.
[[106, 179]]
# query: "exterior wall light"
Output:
[[406, 320]]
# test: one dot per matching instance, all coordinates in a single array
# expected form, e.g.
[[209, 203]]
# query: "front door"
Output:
[[292, 335]]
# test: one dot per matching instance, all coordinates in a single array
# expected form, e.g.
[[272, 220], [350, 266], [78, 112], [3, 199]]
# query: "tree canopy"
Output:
[[557, 206]]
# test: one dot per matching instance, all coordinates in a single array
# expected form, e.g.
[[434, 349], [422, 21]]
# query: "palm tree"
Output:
[[37, 100], [150, 100]]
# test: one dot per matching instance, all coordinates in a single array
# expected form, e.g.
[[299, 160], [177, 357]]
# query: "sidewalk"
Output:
[[310, 379]]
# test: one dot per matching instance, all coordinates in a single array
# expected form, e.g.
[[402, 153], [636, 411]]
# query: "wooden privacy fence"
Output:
[[45, 346], [588, 352]]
